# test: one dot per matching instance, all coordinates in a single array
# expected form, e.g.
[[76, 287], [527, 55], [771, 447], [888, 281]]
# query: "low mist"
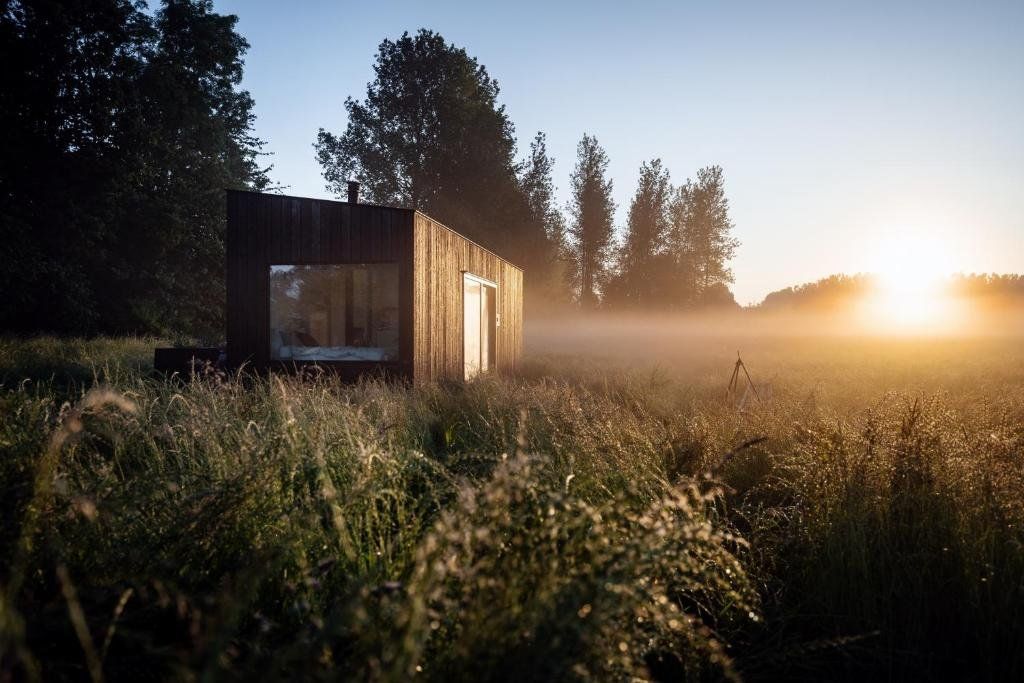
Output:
[[633, 334]]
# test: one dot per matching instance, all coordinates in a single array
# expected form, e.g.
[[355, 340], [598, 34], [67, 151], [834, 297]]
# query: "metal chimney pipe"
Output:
[[353, 192]]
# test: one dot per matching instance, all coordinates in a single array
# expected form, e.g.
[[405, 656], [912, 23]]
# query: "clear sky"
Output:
[[844, 128]]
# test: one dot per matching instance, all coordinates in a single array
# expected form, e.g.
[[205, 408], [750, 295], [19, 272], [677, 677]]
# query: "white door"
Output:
[[477, 325], [471, 327]]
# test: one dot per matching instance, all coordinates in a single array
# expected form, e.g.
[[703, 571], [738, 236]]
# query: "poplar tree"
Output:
[[592, 213], [646, 234], [545, 250], [700, 238]]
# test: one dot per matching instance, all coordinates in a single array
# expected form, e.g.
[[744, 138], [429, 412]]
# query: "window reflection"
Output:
[[334, 312]]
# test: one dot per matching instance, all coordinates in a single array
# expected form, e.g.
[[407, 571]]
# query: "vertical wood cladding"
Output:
[[441, 257], [267, 229]]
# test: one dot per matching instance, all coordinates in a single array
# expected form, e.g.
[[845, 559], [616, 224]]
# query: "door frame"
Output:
[[492, 322]]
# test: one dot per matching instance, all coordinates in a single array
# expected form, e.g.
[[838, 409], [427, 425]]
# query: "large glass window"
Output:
[[334, 312]]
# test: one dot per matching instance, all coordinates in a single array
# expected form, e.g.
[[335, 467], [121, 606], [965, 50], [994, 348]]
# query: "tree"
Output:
[[58, 116], [430, 135], [190, 138], [646, 232], [590, 231], [718, 296], [545, 231], [679, 279], [700, 236], [118, 146]]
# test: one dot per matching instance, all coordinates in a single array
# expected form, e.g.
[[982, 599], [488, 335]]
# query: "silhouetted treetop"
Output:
[[120, 130], [641, 260], [430, 135], [544, 232], [591, 229], [830, 293], [702, 229], [839, 292]]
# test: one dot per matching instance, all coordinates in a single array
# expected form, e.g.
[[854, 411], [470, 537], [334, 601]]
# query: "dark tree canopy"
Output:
[[841, 292], [546, 249], [832, 293], [120, 131], [643, 249], [702, 231], [591, 231], [431, 135], [676, 247]]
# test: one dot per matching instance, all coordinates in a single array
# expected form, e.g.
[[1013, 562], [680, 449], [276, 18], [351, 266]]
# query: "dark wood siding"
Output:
[[441, 258], [267, 229]]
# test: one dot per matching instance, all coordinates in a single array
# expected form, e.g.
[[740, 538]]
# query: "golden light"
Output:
[[910, 271]]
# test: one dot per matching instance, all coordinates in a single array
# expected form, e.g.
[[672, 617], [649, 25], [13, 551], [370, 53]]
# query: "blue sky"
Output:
[[846, 130]]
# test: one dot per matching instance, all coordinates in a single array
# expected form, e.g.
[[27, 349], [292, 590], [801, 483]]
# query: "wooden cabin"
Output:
[[359, 287]]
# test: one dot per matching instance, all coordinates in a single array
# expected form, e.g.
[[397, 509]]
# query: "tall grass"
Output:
[[72, 361], [576, 522]]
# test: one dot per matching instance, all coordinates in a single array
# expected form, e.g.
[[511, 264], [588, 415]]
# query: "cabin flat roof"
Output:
[[382, 206]]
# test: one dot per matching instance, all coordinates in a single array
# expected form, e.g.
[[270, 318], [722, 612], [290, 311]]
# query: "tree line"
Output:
[[431, 135], [119, 129], [839, 293]]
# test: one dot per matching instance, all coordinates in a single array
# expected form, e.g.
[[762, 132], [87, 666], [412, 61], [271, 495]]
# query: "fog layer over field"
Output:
[[801, 356], [668, 337]]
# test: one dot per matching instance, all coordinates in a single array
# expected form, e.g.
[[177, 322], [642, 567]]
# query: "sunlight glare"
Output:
[[910, 270]]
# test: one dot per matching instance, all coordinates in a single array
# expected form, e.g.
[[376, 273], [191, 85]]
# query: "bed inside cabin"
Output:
[[334, 312]]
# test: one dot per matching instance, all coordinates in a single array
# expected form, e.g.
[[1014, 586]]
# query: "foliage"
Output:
[[303, 528], [117, 149], [431, 135], [701, 236], [677, 245], [642, 257], [580, 521], [830, 293], [837, 293], [991, 288], [69, 362], [592, 213], [546, 253]]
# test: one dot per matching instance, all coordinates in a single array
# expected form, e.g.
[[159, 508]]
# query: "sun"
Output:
[[910, 269]]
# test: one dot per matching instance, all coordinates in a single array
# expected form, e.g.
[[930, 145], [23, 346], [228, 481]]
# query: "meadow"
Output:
[[607, 513]]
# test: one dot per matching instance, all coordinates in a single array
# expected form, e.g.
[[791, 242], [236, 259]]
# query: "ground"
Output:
[[606, 512]]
